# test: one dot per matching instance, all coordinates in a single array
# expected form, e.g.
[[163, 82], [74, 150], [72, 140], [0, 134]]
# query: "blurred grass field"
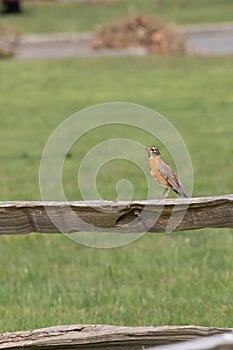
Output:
[[180, 278], [46, 17]]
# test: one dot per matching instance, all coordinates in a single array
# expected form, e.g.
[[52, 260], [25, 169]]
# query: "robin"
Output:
[[163, 174]]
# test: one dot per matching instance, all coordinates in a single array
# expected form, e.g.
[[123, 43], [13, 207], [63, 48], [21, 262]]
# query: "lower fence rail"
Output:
[[110, 337]]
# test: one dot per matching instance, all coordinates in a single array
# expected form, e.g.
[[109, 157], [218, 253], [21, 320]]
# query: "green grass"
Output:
[[52, 17], [185, 279], [182, 278], [192, 93]]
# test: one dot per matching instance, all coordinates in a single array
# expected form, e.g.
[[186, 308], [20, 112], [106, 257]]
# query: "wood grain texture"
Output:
[[103, 337], [108, 216], [214, 342]]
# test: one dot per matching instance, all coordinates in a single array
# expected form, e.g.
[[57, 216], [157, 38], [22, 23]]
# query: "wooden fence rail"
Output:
[[104, 337], [214, 342], [109, 216]]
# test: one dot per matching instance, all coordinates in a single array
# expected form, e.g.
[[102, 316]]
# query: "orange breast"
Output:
[[154, 162]]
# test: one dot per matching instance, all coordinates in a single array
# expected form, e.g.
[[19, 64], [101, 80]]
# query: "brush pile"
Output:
[[8, 41], [156, 35]]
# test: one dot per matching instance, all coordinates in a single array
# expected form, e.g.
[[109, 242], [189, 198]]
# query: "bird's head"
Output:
[[153, 151]]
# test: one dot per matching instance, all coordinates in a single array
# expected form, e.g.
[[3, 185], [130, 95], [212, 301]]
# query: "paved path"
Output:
[[201, 39], [66, 45], [216, 39]]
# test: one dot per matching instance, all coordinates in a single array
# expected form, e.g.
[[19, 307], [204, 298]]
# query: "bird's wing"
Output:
[[169, 175]]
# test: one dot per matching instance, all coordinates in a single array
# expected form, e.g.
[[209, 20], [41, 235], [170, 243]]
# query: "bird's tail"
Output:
[[182, 191]]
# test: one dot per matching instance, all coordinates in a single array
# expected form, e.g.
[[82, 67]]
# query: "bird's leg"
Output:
[[165, 193]]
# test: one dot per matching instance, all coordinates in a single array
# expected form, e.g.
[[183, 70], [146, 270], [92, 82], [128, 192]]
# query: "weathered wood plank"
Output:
[[214, 342], [103, 337], [109, 216]]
